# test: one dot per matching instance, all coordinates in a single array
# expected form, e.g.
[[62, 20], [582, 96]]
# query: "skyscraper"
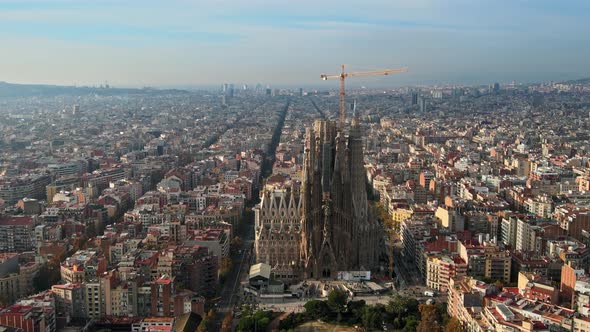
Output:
[[414, 98], [338, 231], [422, 103], [231, 90], [494, 88]]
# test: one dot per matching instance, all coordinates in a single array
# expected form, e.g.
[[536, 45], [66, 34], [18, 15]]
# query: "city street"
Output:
[[238, 272], [242, 259]]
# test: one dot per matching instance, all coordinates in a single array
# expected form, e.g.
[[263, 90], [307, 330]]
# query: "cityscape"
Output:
[[355, 199]]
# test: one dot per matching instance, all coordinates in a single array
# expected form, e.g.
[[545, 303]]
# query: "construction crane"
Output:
[[342, 76]]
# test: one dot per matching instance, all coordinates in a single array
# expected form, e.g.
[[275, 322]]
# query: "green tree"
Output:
[[207, 322], [454, 325], [246, 324], [261, 314], [337, 302], [396, 306], [441, 309], [258, 321], [236, 243], [355, 310], [262, 324], [429, 319], [400, 307], [225, 266], [372, 317], [411, 324], [288, 322], [412, 305], [316, 309]]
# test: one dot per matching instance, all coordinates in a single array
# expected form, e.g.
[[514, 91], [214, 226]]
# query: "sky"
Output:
[[182, 43]]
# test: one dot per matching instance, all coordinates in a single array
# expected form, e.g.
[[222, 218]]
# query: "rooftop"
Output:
[[260, 269], [158, 320], [16, 221]]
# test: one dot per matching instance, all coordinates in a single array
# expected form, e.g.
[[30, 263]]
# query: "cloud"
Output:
[[154, 42]]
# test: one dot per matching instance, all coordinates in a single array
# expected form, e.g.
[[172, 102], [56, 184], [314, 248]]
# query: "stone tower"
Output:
[[338, 232]]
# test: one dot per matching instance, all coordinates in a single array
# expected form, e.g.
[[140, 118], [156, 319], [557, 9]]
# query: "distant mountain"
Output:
[[27, 90], [579, 81]]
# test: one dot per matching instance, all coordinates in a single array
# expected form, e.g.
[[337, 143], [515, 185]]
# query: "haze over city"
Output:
[[206, 43], [294, 166]]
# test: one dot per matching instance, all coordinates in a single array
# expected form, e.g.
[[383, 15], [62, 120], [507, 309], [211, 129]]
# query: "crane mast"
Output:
[[343, 75]]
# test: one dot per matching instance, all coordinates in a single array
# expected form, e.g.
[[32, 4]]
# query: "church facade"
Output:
[[278, 231]]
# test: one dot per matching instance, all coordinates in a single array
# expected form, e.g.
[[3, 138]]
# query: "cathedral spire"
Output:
[[335, 207], [338, 154], [354, 122]]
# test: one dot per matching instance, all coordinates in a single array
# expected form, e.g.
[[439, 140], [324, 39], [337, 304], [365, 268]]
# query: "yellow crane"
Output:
[[342, 76]]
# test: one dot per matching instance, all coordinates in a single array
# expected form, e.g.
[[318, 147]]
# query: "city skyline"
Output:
[[192, 44], [182, 166], [134, 209]]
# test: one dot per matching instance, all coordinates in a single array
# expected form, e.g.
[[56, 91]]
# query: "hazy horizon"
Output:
[[206, 43]]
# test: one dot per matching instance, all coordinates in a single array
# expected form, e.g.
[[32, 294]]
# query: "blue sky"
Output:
[[195, 43]]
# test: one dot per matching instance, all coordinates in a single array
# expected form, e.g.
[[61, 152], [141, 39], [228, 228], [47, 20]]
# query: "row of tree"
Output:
[[254, 320], [207, 323], [401, 313]]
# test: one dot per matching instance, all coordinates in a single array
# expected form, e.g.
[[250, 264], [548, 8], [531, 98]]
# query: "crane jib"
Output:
[[344, 75]]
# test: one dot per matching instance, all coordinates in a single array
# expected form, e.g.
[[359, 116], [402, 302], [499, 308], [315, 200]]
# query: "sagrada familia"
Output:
[[325, 226], [338, 231]]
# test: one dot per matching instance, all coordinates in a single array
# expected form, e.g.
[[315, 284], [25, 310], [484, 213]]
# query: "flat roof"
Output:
[[158, 320], [16, 221]]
